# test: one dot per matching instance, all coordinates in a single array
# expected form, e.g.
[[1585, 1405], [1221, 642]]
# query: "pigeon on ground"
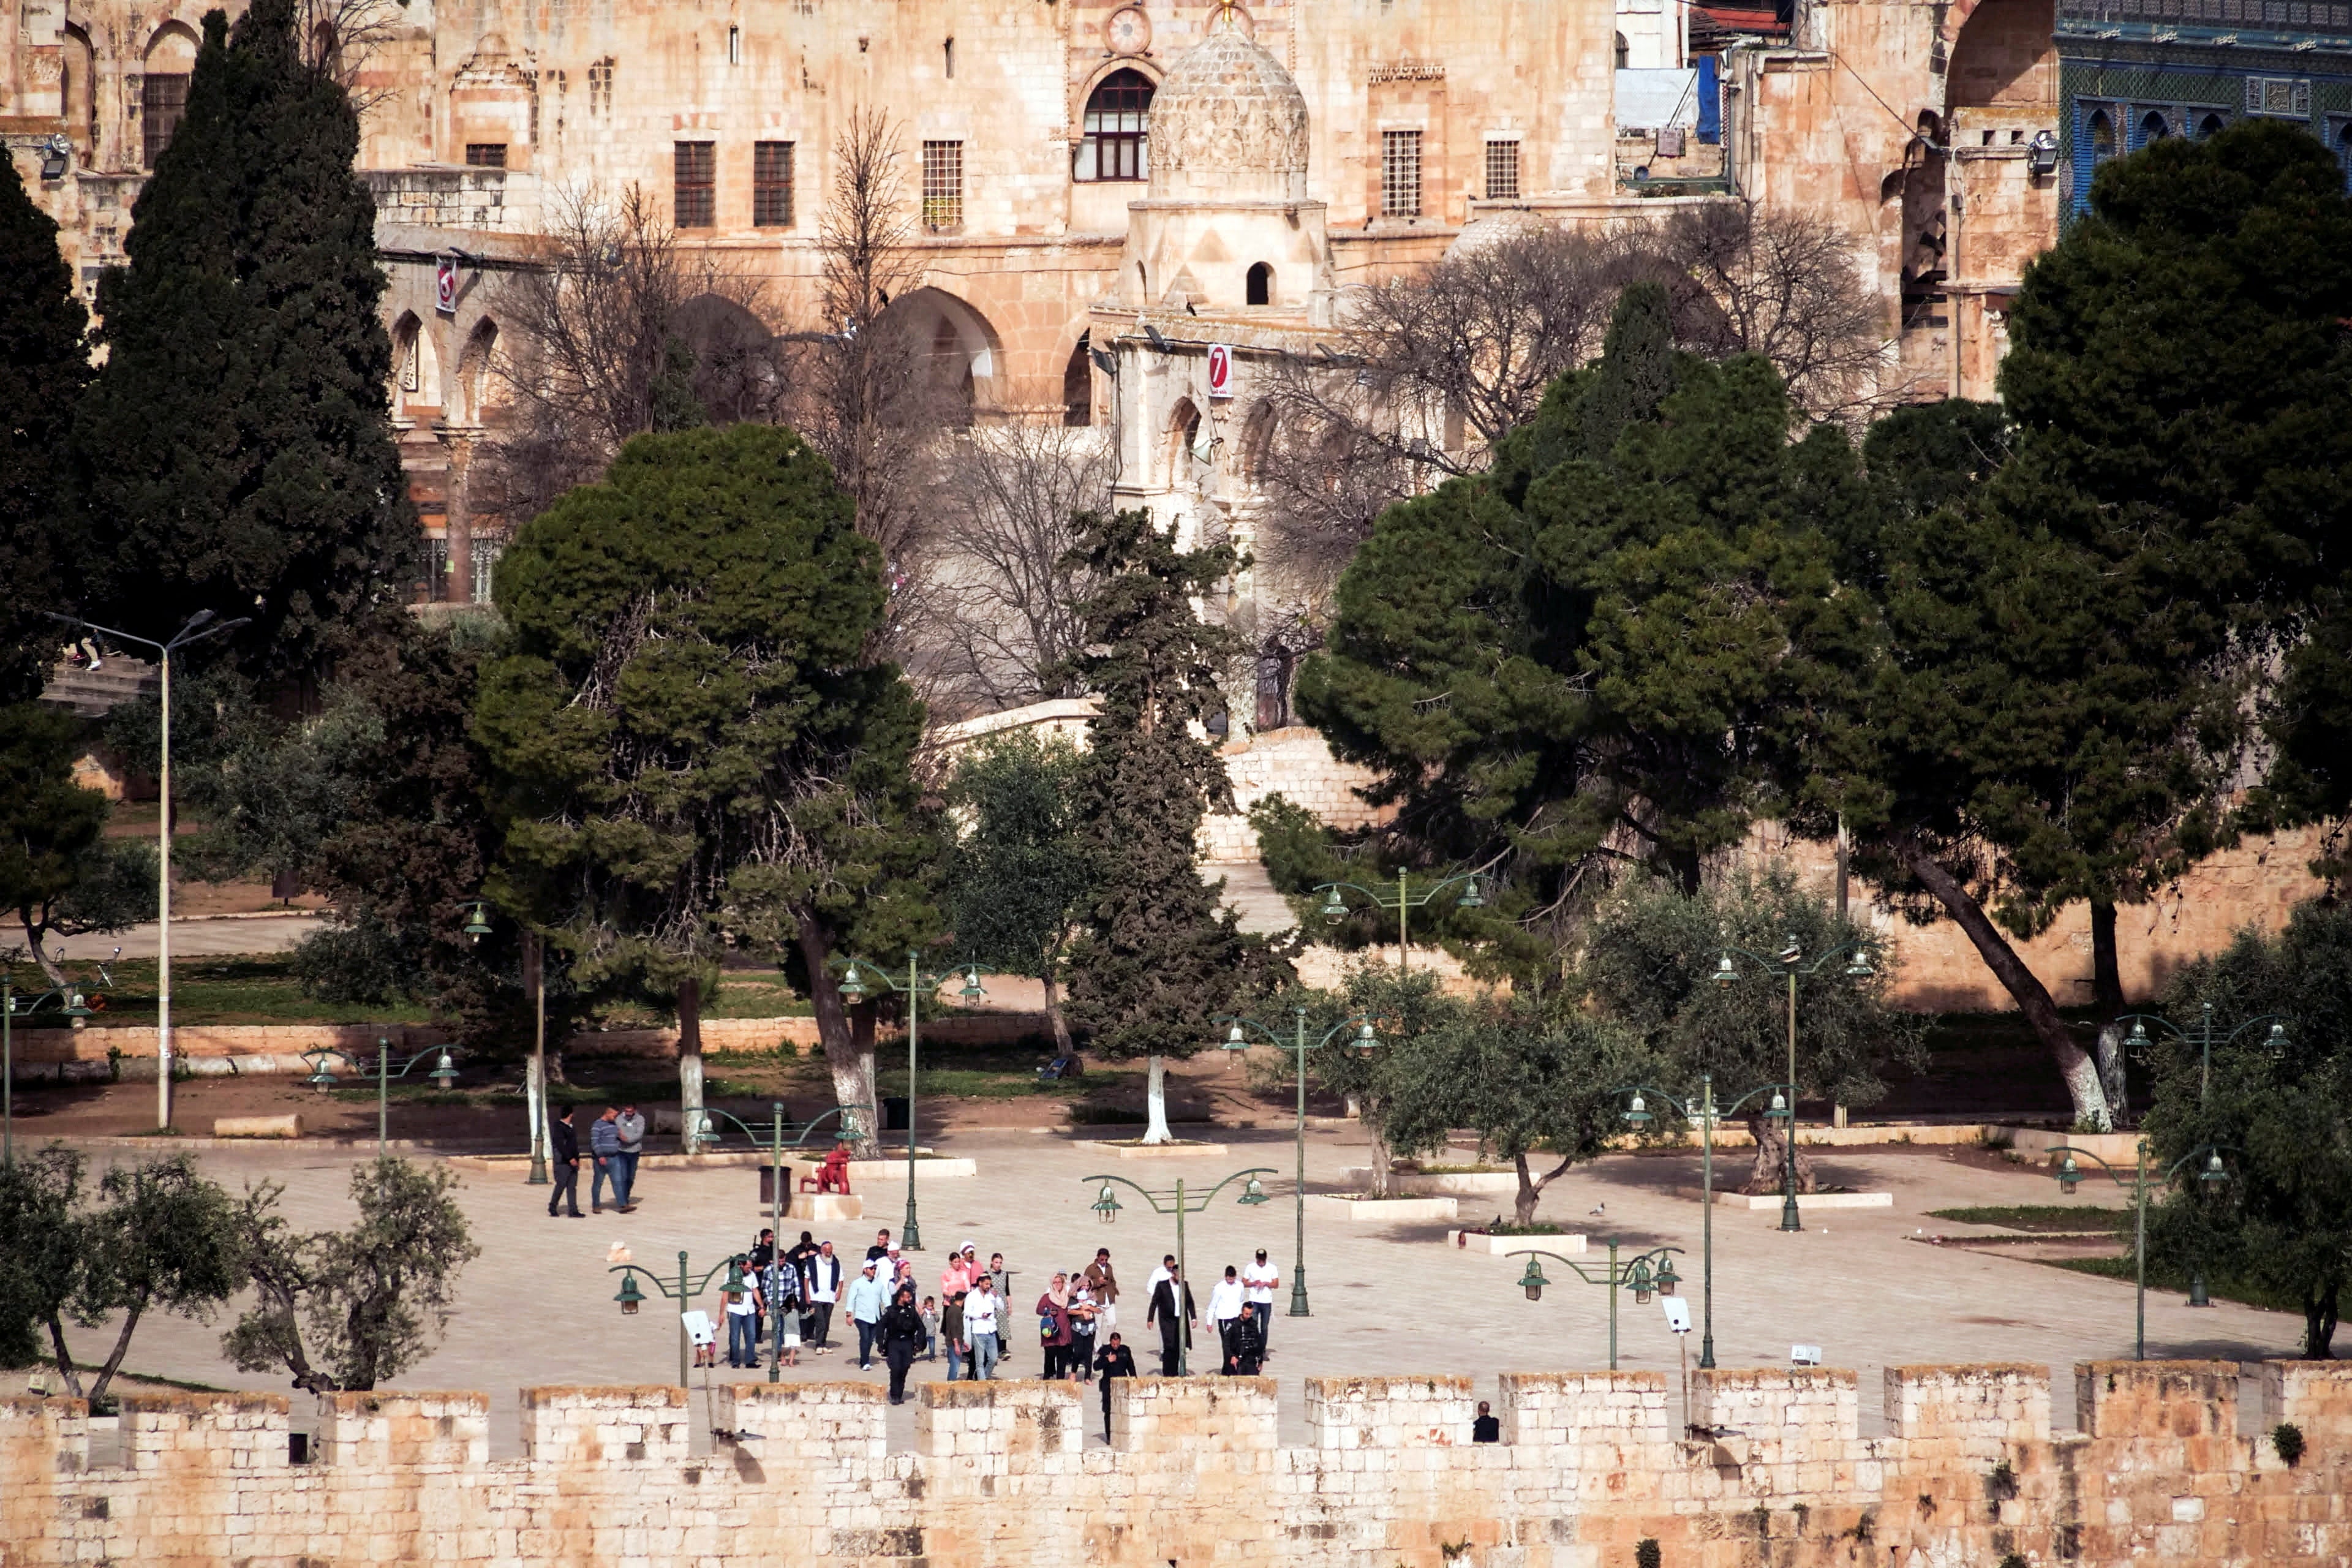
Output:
[[1597, 1208]]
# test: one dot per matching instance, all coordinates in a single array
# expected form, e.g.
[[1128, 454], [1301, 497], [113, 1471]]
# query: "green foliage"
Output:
[[58, 874], [1646, 1554], [1158, 959], [2045, 1218], [155, 1235], [1649, 966], [2282, 1222], [688, 733], [1019, 874], [2287, 1439], [235, 453], [1600, 648], [351, 1308], [43, 369]]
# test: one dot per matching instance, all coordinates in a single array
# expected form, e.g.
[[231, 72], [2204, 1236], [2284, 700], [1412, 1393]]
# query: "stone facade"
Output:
[[1773, 1469]]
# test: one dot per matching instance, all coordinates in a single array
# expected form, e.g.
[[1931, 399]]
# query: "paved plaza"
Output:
[[537, 1307]]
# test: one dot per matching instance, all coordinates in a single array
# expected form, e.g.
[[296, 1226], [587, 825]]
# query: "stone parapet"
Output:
[[1000, 1477]]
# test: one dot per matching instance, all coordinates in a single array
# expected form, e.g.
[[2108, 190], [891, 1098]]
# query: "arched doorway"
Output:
[[1078, 384], [958, 352], [1113, 142]]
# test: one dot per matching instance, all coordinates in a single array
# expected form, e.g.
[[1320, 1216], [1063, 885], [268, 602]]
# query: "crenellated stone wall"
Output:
[[1001, 1476]]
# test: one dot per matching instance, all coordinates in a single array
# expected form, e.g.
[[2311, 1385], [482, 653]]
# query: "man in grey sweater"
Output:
[[604, 1146], [630, 1128]]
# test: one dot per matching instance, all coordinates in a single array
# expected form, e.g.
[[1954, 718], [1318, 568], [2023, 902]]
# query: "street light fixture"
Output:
[[444, 1072], [1703, 1113], [914, 988], [775, 1146], [203, 623], [1179, 1201], [1403, 899], [2070, 1177], [1365, 1040], [14, 1004], [631, 1298], [2203, 1037], [1640, 1275], [1790, 961]]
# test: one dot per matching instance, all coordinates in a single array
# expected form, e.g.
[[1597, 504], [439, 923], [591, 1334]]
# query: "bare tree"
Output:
[[1004, 591], [623, 330], [339, 37], [1781, 284]]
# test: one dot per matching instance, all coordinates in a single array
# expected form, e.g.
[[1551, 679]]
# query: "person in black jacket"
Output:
[[565, 1162], [902, 1336], [1172, 1309], [1115, 1360]]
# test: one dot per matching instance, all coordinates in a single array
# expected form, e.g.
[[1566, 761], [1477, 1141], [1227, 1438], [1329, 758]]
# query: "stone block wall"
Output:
[[1001, 1478]]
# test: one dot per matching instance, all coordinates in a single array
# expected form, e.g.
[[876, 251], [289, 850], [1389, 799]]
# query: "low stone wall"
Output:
[[1592, 1465]]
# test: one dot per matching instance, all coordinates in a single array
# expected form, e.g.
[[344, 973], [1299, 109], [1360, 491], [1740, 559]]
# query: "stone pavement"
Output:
[[537, 1307]]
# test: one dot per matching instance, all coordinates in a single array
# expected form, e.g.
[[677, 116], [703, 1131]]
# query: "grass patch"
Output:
[[1464, 1170], [1106, 1116], [2220, 1287], [259, 989], [2042, 1218], [1507, 1228]]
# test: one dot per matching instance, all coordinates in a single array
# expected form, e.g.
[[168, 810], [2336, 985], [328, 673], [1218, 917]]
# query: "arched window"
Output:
[[2102, 133], [1623, 51], [1078, 385], [1186, 462], [2209, 126], [474, 384], [1117, 118], [2344, 148], [1260, 285], [2152, 127]]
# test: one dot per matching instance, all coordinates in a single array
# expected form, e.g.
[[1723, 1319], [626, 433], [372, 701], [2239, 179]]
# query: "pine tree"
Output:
[[236, 452], [1159, 960], [43, 369]]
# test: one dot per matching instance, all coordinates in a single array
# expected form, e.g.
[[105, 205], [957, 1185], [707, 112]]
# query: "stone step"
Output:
[[94, 693]]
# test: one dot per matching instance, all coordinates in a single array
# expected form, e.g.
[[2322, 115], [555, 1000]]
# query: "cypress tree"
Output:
[[43, 369], [1159, 960], [236, 451]]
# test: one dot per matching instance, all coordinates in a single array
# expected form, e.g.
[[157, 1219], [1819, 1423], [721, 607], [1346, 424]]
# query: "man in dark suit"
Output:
[[1172, 1309], [1114, 1360], [564, 1162]]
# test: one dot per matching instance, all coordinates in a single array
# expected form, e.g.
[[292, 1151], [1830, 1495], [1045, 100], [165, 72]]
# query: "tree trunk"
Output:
[[865, 1082], [1531, 1189], [2319, 1325], [1769, 1173], [138, 1309], [1155, 1101], [1054, 1019], [50, 968], [2114, 1081], [853, 1073], [65, 1357], [2080, 1073], [689, 1065], [2107, 967]]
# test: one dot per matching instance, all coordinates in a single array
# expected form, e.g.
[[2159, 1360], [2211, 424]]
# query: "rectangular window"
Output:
[[486, 154], [1400, 174], [1502, 171], [772, 184], [600, 88], [2280, 98], [695, 197], [161, 101], [943, 187]]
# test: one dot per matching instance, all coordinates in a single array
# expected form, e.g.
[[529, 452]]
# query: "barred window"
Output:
[[486, 154], [1400, 174], [772, 184], [163, 100], [1502, 171], [943, 187], [695, 199], [600, 88], [1116, 123]]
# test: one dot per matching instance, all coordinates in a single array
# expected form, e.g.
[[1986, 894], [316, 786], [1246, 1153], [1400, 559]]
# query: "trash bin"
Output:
[[894, 1113], [768, 1197]]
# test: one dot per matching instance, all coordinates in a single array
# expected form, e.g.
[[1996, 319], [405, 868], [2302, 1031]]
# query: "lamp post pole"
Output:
[[70, 1004], [1179, 1203], [1640, 1274], [1402, 900], [631, 1296], [776, 1147], [1706, 1112], [853, 990], [2070, 1177], [1236, 1041], [202, 625], [443, 1071], [1787, 961]]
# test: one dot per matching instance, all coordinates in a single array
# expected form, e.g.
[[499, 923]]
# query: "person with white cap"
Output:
[[868, 1295]]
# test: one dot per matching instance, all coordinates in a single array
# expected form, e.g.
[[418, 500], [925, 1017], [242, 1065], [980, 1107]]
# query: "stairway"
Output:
[[92, 694]]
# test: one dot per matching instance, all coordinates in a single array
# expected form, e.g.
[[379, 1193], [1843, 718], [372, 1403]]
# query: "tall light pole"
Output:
[[1706, 1113], [2070, 1177], [777, 1199], [853, 990], [1644, 1274], [631, 1297], [534, 1072], [202, 625], [444, 1072], [1236, 1040], [1179, 1201], [1402, 899], [1790, 960]]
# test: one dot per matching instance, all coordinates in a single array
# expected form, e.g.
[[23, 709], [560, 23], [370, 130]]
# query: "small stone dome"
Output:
[[1485, 233], [1228, 124]]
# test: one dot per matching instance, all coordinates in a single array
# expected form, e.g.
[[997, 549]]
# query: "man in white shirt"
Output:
[[1259, 1283], [868, 1296], [1225, 1308], [821, 1272], [980, 1328]]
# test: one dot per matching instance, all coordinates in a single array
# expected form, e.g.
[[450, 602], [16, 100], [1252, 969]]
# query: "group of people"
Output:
[[786, 1299], [615, 1139]]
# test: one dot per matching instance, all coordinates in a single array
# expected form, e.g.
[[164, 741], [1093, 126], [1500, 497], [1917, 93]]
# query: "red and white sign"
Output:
[[1221, 370], [445, 285]]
